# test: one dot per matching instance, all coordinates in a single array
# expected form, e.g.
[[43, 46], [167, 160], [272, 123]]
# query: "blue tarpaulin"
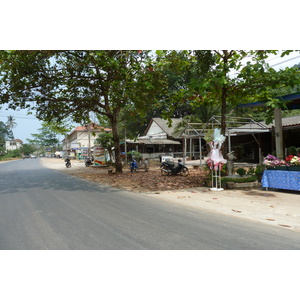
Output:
[[293, 102]]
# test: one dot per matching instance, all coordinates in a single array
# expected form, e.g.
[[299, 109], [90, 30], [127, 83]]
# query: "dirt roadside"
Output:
[[141, 181], [277, 208]]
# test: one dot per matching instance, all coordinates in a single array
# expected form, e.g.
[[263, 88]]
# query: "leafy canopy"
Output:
[[62, 85]]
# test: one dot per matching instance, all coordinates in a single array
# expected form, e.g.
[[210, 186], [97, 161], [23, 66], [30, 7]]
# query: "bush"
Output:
[[224, 170], [238, 179], [259, 170], [241, 171], [251, 171], [12, 154], [292, 151], [134, 155]]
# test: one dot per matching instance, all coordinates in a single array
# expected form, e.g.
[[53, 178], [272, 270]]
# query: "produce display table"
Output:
[[288, 180]]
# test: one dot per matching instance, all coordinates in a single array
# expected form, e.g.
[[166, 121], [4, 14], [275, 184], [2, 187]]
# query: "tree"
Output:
[[244, 76], [229, 77], [10, 123], [184, 70], [5, 134], [72, 84], [45, 138], [105, 139], [27, 149]]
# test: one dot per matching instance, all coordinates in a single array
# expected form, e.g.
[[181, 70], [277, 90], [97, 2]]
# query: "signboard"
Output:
[[99, 156], [75, 146], [84, 152]]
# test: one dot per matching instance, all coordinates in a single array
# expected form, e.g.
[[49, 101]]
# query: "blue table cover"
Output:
[[288, 180]]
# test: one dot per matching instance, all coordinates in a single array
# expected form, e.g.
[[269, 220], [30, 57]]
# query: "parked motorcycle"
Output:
[[134, 166], [68, 162], [169, 169], [88, 162]]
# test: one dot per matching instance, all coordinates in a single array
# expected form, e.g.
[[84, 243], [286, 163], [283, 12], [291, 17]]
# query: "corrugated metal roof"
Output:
[[153, 142], [291, 121], [286, 122]]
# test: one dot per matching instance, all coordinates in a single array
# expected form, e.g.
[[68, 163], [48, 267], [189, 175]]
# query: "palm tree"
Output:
[[10, 124]]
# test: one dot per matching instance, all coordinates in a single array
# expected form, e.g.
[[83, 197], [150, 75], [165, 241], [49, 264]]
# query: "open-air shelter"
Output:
[[234, 126], [238, 126], [291, 101]]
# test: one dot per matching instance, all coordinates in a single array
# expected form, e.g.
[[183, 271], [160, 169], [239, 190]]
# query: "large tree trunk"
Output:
[[223, 119], [115, 132], [223, 111], [224, 98]]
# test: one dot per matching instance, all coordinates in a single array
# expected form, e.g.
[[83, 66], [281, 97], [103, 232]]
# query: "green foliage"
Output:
[[5, 134], [182, 70], [130, 87], [230, 80], [27, 149], [259, 169], [241, 171], [292, 150], [2, 150], [12, 154], [10, 124], [71, 84], [134, 155], [224, 170], [238, 179], [105, 139], [251, 171], [45, 137]]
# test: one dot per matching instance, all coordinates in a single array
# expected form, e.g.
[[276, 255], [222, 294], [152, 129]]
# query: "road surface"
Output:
[[42, 208]]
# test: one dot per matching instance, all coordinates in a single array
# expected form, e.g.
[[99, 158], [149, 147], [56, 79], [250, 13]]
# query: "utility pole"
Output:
[[125, 146], [278, 133], [89, 141]]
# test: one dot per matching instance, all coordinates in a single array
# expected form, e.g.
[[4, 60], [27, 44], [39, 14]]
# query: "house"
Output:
[[80, 142], [159, 139], [13, 144], [291, 102], [250, 140], [248, 146]]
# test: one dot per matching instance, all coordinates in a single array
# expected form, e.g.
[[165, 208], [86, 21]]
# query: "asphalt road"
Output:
[[44, 209]]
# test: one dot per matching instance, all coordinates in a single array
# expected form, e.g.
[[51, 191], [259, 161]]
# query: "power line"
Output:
[[282, 62], [19, 117]]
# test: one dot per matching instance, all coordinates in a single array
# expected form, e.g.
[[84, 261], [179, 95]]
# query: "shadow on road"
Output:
[[22, 175]]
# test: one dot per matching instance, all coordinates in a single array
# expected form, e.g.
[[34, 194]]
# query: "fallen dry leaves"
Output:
[[141, 181]]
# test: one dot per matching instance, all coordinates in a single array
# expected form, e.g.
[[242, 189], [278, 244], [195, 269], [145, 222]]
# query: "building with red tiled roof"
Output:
[[81, 139], [13, 144]]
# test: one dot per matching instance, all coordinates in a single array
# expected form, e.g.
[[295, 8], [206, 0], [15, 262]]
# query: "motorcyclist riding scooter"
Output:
[[68, 162], [88, 161], [134, 166]]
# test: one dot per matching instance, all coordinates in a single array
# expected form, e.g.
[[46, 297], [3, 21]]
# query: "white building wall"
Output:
[[12, 145], [79, 139]]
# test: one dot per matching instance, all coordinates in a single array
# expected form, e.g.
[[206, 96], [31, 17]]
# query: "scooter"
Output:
[[134, 166], [169, 169], [88, 162], [68, 162]]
